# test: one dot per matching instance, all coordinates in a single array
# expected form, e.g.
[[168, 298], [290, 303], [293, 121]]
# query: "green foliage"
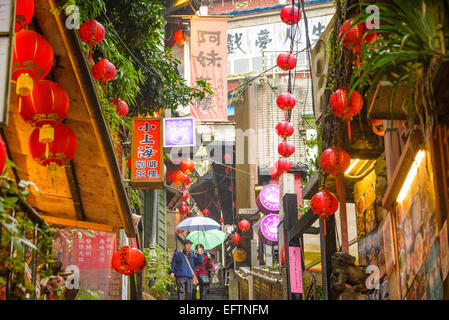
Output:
[[147, 77], [315, 142], [134, 198], [303, 209], [156, 270], [89, 294], [307, 282], [405, 53], [18, 230]]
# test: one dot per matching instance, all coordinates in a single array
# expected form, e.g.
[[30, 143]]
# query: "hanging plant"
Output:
[[413, 46]]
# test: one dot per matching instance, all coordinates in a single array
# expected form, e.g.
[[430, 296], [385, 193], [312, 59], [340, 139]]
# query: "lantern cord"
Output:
[[349, 130], [324, 220], [46, 150], [19, 107]]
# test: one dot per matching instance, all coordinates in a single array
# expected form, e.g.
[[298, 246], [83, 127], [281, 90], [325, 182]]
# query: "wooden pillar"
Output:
[[328, 248], [343, 216]]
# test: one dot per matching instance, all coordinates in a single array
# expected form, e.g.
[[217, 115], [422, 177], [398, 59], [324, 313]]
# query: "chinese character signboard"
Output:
[[179, 132], [294, 258], [147, 162], [94, 253], [208, 61]]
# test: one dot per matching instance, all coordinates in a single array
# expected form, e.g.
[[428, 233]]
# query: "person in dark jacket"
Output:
[[203, 272], [180, 270]]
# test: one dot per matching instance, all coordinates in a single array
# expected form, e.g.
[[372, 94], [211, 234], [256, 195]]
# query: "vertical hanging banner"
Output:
[[295, 269], [94, 253], [147, 161], [209, 62]]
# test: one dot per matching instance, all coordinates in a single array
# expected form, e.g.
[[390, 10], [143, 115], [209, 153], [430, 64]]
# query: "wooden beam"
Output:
[[75, 192], [85, 81], [78, 224], [402, 167]]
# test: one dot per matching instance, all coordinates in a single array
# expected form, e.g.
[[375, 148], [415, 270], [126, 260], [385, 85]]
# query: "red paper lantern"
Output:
[[91, 32], [2, 155], [103, 71], [274, 172], [378, 127], [334, 160], [180, 231], [221, 220], [286, 101], [206, 212], [122, 107], [32, 60], [290, 14], [286, 148], [179, 37], [24, 14], [284, 129], [57, 153], [184, 208], [128, 261], [343, 107], [187, 165], [244, 225], [177, 177], [324, 204], [286, 61], [189, 213], [236, 239], [352, 35], [46, 106], [185, 195], [283, 165], [187, 180]]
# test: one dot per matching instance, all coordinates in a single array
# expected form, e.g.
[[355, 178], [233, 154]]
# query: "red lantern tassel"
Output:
[[324, 226], [90, 55], [349, 130], [19, 107], [336, 185]]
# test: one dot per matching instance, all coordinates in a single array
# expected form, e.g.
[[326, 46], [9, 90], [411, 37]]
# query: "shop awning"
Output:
[[89, 193]]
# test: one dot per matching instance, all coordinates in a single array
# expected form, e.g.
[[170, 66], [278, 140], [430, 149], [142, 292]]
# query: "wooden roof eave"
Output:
[[85, 81]]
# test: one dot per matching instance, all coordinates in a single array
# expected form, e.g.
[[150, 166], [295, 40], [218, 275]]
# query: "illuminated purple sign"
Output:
[[268, 230], [179, 132], [268, 199]]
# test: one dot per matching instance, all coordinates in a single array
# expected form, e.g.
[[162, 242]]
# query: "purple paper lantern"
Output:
[[268, 229], [268, 199]]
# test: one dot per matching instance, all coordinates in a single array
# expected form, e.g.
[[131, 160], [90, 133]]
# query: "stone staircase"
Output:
[[218, 291]]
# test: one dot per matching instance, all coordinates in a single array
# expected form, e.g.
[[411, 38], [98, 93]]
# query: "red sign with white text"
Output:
[[94, 253], [147, 166]]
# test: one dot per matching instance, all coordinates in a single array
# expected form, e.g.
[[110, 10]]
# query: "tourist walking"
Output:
[[203, 272], [182, 269]]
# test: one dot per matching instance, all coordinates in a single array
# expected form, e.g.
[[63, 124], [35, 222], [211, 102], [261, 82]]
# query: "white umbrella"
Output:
[[198, 224]]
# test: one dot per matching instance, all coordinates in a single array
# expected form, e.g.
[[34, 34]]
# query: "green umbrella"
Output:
[[209, 239]]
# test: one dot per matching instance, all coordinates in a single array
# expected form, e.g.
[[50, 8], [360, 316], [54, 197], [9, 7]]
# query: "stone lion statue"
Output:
[[347, 280]]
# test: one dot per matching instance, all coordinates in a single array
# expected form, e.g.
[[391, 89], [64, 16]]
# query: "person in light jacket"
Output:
[[182, 272]]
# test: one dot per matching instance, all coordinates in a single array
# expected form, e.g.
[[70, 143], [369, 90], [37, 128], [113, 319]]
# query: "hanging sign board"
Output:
[[7, 22], [295, 269], [268, 199], [179, 132], [268, 229], [147, 161]]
